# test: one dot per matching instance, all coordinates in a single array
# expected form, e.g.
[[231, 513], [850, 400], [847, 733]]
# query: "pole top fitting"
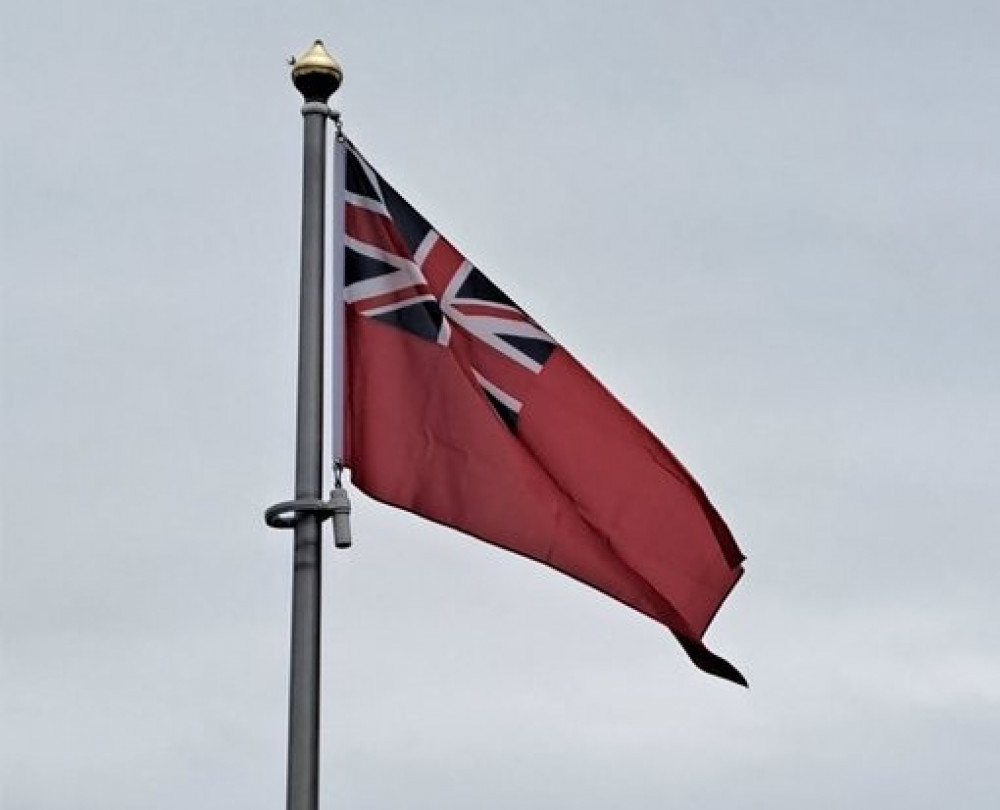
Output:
[[316, 74]]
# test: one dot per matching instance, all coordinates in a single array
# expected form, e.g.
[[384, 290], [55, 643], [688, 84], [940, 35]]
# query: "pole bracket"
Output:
[[287, 514]]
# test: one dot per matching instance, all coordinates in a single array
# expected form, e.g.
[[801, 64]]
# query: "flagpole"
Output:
[[317, 76]]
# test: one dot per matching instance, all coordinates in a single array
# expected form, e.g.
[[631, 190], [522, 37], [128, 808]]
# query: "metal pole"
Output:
[[317, 76]]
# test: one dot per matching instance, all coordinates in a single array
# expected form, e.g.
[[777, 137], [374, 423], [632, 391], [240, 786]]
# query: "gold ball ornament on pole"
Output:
[[316, 74]]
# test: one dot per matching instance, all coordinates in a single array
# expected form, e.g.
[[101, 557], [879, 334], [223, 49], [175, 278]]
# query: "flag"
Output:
[[462, 409]]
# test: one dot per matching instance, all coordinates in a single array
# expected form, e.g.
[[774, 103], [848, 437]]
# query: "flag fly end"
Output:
[[710, 663]]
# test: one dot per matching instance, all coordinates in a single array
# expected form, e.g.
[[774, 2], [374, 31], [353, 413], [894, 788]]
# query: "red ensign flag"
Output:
[[462, 409]]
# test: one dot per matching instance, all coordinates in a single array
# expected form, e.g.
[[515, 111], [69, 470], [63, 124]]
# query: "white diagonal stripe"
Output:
[[482, 302], [379, 285], [385, 256], [448, 296], [505, 326], [375, 311], [369, 172], [426, 246], [501, 396], [360, 201]]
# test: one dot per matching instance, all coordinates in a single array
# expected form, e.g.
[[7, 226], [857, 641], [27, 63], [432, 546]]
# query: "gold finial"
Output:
[[316, 74]]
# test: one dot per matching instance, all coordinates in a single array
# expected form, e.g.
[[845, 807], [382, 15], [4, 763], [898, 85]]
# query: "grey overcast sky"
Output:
[[770, 227]]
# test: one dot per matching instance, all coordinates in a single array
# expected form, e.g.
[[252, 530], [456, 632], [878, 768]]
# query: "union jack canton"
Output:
[[400, 271]]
